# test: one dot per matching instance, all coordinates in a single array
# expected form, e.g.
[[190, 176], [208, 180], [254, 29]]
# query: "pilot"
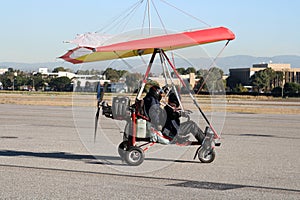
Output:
[[173, 128], [155, 113]]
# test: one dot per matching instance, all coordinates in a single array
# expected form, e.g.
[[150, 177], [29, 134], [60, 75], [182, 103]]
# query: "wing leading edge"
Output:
[[147, 45]]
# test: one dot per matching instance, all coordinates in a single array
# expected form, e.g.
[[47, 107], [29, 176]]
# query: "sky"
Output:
[[34, 30]]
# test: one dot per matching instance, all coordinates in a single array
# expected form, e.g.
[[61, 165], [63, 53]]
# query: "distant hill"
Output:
[[33, 66], [225, 63], [243, 61]]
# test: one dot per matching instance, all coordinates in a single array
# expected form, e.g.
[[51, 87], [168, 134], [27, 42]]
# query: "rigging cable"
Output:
[[159, 17], [146, 13], [186, 13], [210, 67], [149, 17], [116, 21]]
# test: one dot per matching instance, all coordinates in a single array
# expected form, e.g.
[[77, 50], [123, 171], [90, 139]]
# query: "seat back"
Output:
[[120, 108], [140, 109]]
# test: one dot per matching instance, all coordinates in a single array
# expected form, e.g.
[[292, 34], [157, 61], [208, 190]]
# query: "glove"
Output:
[[159, 127], [183, 114], [165, 89]]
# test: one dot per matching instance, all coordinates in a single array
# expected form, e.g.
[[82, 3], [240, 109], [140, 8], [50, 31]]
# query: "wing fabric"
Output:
[[147, 45]]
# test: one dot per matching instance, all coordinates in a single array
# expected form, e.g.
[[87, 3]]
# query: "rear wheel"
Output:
[[134, 156], [206, 155], [122, 149]]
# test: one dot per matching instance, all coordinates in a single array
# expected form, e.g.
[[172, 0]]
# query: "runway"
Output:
[[45, 154]]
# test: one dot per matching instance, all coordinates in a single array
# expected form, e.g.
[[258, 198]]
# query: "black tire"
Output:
[[122, 149], [134, 156], [206, 156]]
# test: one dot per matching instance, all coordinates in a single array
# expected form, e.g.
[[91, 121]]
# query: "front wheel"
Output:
[[134, 156], [206, 155]]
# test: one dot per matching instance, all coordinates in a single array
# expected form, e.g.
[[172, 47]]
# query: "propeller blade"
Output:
[[96, 121], [100, 93]]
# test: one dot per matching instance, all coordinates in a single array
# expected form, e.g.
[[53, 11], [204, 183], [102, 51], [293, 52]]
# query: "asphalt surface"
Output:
[[47, 152]]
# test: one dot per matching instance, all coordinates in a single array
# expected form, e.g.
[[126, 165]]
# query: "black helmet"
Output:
[[156, 92], [173, 99]]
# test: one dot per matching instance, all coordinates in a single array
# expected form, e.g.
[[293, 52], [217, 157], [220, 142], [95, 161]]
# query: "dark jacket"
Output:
[[172, 122], [152, 109]]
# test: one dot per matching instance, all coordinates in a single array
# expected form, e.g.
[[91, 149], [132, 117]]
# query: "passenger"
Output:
[[176, 130], [155, 113]]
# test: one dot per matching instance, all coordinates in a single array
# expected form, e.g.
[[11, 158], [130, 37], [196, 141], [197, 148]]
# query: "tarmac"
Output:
[[48, 152]]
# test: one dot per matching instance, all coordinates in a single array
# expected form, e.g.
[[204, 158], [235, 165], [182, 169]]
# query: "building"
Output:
[[81, 83], [242, 75], [43, 70], [189, 80], [2, 71]]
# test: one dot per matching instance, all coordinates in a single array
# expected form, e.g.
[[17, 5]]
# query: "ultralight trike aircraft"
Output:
[[136, 140]]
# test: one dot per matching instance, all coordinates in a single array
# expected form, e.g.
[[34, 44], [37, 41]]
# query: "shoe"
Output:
[[153, 138], [158, 139], [217, 142], [162, 140], [181, 139]]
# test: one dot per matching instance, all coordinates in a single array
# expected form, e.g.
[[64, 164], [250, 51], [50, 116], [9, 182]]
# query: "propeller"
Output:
[[100, 93]]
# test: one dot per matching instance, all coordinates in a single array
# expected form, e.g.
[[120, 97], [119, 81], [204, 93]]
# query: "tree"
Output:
[[37, 81], [190, 70], [7, 83], [215, 79], [112, 74], [263, 80], [272, 75], [132, 81], [61, 84], [59, 69], [210, 80], [259, 80], [232, 82], [291, 88], [121, 73], [181, 70], [8, 78], [277, 91], [18, 82], [240, 88], [199, 86], [279, 78]]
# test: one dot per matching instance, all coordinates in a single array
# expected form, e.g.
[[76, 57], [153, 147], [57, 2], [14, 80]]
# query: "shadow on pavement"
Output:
[[90, 159]]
